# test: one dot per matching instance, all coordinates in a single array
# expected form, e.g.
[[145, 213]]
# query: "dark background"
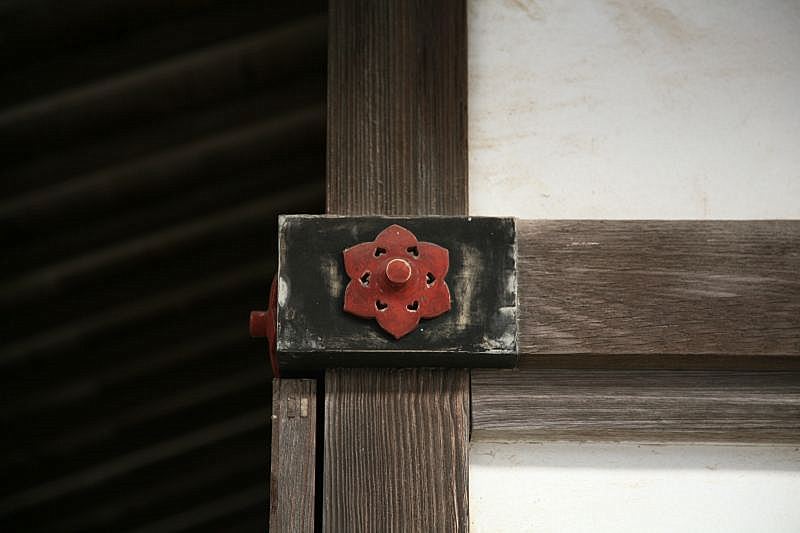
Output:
[[146, 148]]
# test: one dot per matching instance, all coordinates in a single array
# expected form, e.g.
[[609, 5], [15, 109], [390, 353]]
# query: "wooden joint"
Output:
[[348, 298]]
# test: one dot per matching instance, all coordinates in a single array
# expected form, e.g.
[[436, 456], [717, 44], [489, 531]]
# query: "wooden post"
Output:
[[293, 467], [396, 441]]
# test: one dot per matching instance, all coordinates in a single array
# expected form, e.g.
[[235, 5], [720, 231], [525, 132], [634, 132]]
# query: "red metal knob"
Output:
[[258, 324], [398, 271], [397, 280], [265, 324]]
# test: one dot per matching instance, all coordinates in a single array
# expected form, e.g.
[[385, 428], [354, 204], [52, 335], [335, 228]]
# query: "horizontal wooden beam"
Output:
[[658, 291], [651, 331], [634, 405]]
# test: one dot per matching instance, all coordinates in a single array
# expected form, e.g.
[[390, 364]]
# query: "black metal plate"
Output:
[[480, 330]]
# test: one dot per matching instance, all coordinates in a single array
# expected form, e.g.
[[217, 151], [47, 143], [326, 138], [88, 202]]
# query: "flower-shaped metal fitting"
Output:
[[397, 280]]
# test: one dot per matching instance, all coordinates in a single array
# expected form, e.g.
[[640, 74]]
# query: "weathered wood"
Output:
[[395, 450], [650, 361], [397, 144], [294, 429], [397, 98], [638, 406], [659, 288]]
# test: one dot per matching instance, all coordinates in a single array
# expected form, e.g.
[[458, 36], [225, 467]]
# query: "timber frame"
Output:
[[668, 331]]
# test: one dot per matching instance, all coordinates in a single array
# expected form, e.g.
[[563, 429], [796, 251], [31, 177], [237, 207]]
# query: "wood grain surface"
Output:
[[397, 98], [395, 450], [397, 145], [659, 288], [294, 429], [636, 405]]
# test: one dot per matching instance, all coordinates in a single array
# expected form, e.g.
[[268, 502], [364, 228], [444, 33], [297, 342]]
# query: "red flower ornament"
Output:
[[397, 280]]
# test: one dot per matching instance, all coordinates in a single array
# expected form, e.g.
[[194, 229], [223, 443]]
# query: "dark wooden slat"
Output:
[[110, 50], [115, 509], [294, 429], [638, 406], [176, 131], [232, 68], [180, 167], [134, 222], [655, 288], [118, 466], [397, 96], [77, 330], [173, 404], [90, 387], [120, 342], [49, 278], [206, 512], [395, 453], [166, 133], [397, 144], [53, 438], [47, 27]]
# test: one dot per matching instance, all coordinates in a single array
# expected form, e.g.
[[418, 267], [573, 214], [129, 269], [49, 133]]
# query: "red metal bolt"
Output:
[[258, 324], [398, 271], [264, 324]]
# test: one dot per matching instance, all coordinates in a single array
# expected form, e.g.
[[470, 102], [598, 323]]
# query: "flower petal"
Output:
[[435, 300], [396, 239], [358, 259], [398, 320], [435, 258], [359, 300]]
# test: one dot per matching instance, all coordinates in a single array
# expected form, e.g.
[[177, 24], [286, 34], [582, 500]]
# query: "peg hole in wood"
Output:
[[430, 279], [380, 305], [413, 306], [413, 250], [379, 251], [365, 279]]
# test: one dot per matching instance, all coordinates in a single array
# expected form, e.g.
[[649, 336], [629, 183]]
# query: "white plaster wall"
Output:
[[620, 488], [634, 108]]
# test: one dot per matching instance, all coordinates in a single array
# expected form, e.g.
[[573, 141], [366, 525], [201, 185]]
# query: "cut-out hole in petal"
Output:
[[413, 250], [365, 278], [379, 251], [413, 306], [380, 305], [430, 278]]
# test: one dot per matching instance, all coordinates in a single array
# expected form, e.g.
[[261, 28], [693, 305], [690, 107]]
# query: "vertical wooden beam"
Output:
[[396, 440], [397, 107], [396, 450], [294, 429]]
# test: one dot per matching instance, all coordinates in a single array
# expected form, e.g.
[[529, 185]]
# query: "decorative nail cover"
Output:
[[397, 280]]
